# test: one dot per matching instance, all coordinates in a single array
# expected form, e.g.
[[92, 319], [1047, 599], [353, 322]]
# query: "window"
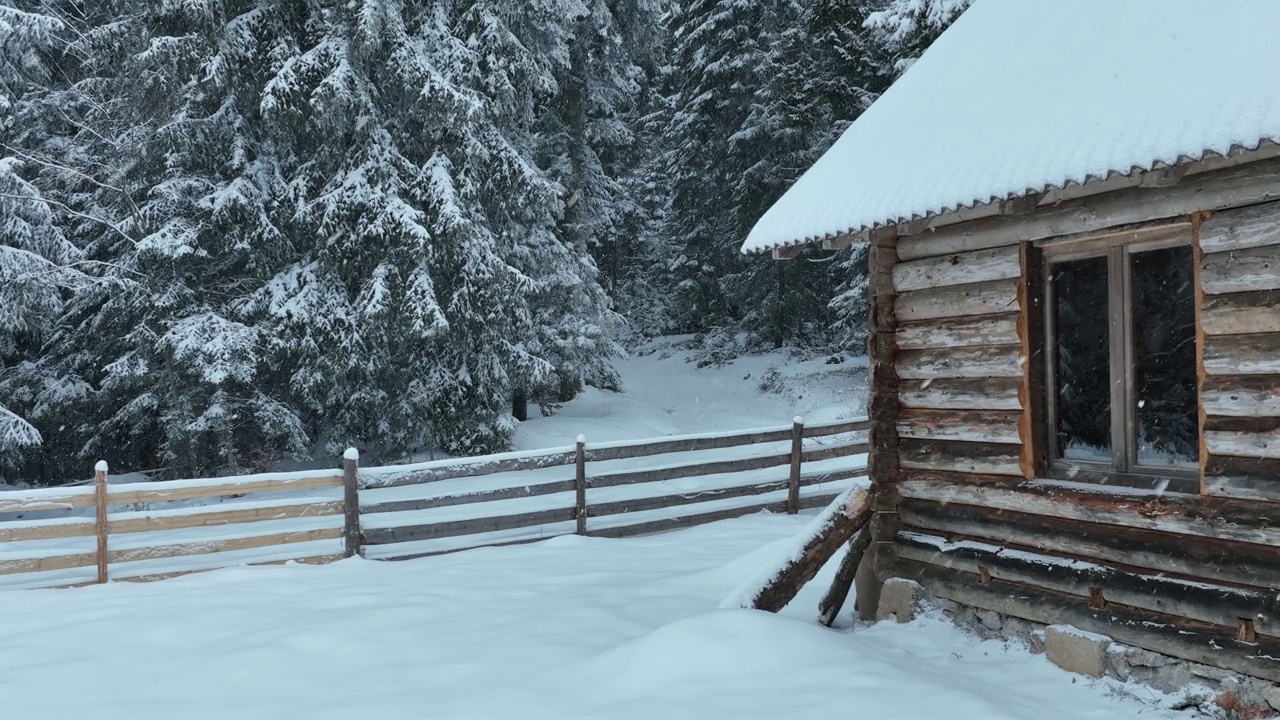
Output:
[[1121, 360]]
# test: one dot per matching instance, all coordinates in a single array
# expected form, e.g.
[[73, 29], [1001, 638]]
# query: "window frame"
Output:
[[1123, 468]]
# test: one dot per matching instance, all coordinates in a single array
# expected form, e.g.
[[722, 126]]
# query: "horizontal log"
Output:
[[1210, 558], [957, 269], [976, 426], [680, 445], [961, 457], [508, 493], [1238, 186], [232, 486], [25, 501], [961, 393], [974, 331], [1189, 515], [999, 296], [1001, 361], [1238, 271], [1198, 642], [715, 467], [839, 427], [1246, 396], [829, 452], [388, 477], [471, 526], [1243, 354], [620, 507], [45, 564], [205, 547], [176, 521], [1264, 444], [1246, 478], [19, 531], [1241, 313], [1241, 228], [1197, 600], [1242, 423], [685, 521]]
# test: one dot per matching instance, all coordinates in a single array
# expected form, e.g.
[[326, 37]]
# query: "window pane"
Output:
[[1164, 349], [1083, 372]]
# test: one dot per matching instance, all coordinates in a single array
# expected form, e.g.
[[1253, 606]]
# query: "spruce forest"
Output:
[[237, 231]]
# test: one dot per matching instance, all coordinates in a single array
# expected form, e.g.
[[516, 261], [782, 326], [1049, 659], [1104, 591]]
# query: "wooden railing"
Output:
[[143, 531]]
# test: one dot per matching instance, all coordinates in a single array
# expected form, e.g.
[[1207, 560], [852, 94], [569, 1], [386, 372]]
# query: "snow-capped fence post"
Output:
[[351, 502], [797, 447], [580, 484], [100, 521]]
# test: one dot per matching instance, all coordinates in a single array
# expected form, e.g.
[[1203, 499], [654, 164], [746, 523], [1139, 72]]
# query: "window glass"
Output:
[[1083, 367], [1164, 357]]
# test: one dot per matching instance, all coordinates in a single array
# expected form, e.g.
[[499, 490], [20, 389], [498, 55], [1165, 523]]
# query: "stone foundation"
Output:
[[1088, 653]]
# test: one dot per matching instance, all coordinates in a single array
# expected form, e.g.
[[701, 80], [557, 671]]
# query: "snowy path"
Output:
[[568, 628], [664, 394]]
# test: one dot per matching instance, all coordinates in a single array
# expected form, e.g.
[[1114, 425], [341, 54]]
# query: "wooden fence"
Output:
[[145, 531]]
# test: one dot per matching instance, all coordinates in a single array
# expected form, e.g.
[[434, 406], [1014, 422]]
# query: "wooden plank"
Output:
[[580, 486], [1033, 425], [14, 502], [20, 531], [205, 547], [1243, 354], [839, 427], [884, 460], [1210, 558], [1242, 185], [793, 478], [677, 499], [962, 394], [1237, 271], [489, 465], [714, 467], [231, 487], [1196, 600], [1002, 361], [507, 493], [681, 445], [1249, 396], [1242, 477], [1242, 313], [980, 330], [1201, 337], [1205, 644], [1188, 515], [1264, 444], [962, 457], [956, 269], [837, 450], [175, 521], [45, 564], [684, 521], [470, 526], [987, 298], [976, 426], [1241, 228]]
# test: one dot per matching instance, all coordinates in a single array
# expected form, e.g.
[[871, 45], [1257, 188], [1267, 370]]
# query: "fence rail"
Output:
[[154, 530]]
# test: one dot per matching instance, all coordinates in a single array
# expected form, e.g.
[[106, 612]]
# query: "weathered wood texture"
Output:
[[884, 406], [351, 505], [1170, 635], [956, 269], [997, 361], [977, 331], [985, 298], [962, 394], [965, 457], [976, 426], [838, 593]]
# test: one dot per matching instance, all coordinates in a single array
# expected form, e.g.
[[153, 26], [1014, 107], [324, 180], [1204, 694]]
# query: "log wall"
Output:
[[1194, 576]]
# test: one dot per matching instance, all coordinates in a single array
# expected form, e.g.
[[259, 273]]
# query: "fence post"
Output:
[[797, 447], [350, 503], [580, 485], [100, 523]]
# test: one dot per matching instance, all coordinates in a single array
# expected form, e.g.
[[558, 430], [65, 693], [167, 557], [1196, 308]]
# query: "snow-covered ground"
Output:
[[664, 393], [567, 628]]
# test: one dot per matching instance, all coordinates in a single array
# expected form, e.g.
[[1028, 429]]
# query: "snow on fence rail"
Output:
[[161, 529]]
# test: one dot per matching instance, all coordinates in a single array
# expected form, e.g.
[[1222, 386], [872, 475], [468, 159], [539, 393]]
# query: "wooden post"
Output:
[[882, 461], [100, 501], [797, 448], [580, 485], [351, 502]]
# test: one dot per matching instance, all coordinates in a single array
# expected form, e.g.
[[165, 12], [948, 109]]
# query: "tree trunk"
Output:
[[830, 606], [520, 404]]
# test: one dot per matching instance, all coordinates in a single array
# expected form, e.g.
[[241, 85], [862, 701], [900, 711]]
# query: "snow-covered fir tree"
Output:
[[907, 28]]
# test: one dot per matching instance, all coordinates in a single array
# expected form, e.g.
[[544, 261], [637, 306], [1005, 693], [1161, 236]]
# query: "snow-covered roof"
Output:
[[1025, 96]]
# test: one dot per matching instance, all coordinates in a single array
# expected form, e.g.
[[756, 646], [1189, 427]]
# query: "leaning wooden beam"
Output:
[[831, 603], [777, 582]]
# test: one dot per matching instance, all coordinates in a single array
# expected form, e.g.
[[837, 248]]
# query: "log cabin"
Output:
[[1071, 213]]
